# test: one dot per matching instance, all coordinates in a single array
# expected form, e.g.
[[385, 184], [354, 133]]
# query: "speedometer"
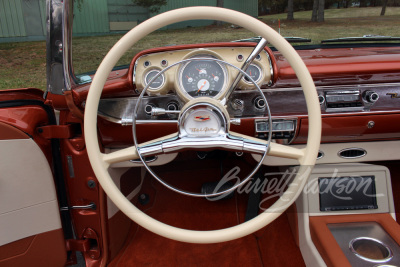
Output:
[[202, 78]]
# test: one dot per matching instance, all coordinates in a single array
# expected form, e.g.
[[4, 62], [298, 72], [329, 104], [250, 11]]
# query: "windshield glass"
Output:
[[99, 24]]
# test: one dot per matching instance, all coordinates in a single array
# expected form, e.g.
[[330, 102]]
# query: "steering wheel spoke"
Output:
[[130, 153], [228, 143], [156, 146], [125, 154], [283, 151], [254, 145], [250, 144]]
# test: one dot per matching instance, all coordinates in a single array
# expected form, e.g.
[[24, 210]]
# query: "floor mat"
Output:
[[271, 246]]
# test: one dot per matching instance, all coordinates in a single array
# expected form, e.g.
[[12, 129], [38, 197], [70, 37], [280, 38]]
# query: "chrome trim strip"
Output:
[[380, 85], [91, 206], [340, 110], [152, 159], [67, 20], [156, 121], [54, 47], [128, 122]]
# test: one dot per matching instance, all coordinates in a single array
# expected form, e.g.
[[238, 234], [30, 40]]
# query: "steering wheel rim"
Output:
[[100, 162]]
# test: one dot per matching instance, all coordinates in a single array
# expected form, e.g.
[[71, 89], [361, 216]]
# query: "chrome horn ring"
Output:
[[185, 139]]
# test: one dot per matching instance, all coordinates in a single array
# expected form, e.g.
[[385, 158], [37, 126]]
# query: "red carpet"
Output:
[[272, 246]]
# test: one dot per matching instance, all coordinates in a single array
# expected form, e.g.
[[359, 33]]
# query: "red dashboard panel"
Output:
[[338, 66], [355, 128]]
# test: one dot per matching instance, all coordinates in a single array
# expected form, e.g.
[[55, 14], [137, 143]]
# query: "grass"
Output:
[[24, 64], [339, 23]]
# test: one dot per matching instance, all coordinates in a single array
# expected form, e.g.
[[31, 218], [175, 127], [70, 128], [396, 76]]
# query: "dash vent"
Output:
[[352, 153]]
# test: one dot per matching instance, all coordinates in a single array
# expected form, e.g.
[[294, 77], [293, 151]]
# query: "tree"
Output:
[[314, 15], [153, 5], [220, 3], [321, 8], [384, 4], [318, 11], [290, 10]]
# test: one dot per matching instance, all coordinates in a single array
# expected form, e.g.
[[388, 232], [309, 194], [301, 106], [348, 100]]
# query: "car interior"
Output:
[[248, 152]]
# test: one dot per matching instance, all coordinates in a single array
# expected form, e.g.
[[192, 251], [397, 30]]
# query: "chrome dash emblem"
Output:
[[202, 118], [393, 95]]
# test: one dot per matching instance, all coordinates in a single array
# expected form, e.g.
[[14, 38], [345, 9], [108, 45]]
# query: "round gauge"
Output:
[[254, 72], [202, 78], [157, 83]]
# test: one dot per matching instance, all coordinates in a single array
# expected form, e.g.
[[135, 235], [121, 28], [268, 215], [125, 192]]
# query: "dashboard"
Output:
[[192, 73], [357, 87]]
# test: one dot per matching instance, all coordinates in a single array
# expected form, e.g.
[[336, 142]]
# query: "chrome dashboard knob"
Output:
[[371, 96], [259, 103], [321, 99], [172, 106], [237, 104]]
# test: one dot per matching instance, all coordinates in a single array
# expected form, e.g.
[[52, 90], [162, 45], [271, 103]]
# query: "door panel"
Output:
[[45, 249], [31, 232], [28, 202]]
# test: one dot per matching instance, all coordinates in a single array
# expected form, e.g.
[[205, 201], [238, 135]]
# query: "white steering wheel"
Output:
[[306, 157]]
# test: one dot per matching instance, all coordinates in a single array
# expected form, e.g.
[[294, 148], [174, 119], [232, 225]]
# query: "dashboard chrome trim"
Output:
[[350, 86], [119, 110]]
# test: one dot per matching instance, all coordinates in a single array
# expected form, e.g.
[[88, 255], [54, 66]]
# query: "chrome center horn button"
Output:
[[202, 120]]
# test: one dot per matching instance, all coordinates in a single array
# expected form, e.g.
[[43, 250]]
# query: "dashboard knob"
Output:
[[148, 108], [237, 104], [259, 102], [321, 99], [371, 96], [172, 106]]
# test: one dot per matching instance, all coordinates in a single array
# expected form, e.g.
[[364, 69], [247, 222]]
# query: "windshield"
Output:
[[98, 25]]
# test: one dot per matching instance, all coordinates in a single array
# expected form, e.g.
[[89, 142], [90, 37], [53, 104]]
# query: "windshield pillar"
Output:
[[59, 69]]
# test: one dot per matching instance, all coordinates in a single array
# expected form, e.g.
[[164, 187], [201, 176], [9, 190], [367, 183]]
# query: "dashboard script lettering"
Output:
[[205, 130]]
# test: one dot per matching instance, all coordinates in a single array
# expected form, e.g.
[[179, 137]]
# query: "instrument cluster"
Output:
[[202, 72]]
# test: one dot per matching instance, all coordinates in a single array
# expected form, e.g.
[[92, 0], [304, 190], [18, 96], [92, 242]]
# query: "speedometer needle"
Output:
[[205, 82]]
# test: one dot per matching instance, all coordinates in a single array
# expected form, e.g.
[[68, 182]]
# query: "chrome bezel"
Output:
[[259, 77], [199, 58], [352, 148], [207, 108], [148, 73], [389, 251]]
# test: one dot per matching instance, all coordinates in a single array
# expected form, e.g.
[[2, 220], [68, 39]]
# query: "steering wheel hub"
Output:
[[202, 120]]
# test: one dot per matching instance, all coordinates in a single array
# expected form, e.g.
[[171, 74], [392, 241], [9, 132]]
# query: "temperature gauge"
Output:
[[254, 72]]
